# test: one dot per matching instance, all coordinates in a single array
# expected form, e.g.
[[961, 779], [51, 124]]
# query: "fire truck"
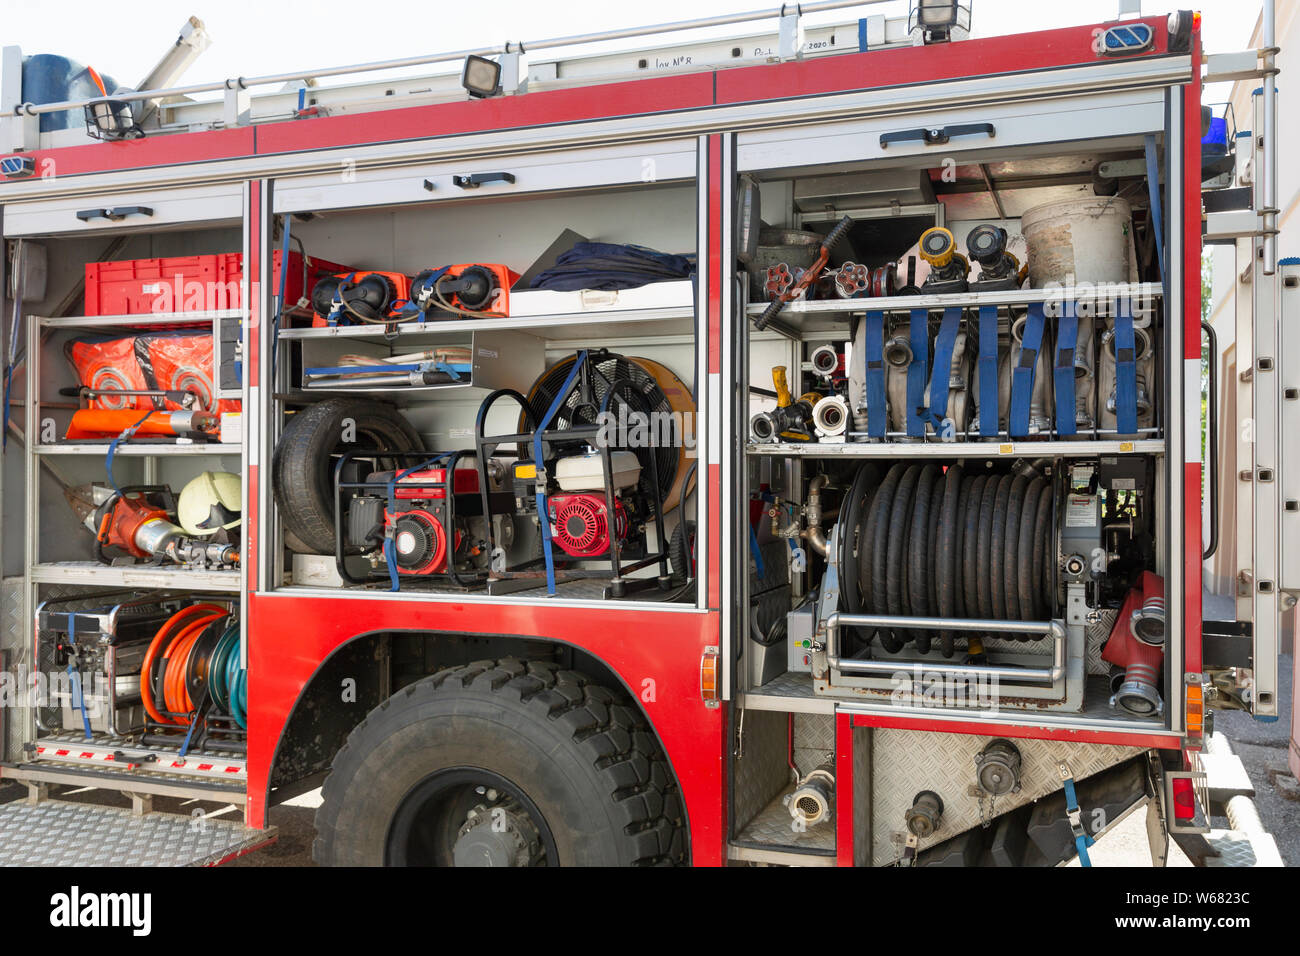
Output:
[[774, 449]]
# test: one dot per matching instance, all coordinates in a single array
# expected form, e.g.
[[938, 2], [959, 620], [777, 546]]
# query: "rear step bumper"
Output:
[[1244, 842]]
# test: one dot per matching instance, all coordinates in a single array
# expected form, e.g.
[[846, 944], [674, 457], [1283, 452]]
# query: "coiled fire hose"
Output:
[[193, 656], [932, 542]]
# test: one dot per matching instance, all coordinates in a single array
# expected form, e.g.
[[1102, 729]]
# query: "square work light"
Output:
[[482, 77]]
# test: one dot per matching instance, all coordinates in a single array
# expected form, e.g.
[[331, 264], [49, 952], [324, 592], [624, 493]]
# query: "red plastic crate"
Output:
[[188, 283]]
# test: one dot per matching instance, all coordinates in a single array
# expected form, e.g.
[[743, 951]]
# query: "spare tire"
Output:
[[302, 471]]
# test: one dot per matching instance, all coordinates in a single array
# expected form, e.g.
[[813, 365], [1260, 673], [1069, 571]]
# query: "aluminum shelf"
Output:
[[94, 574], [145, 319], [141, 449], [804, 317], [937, 449], [676, 320]]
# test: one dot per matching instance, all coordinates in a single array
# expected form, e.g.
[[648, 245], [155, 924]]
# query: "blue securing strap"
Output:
[[1022, 375], [79, 696], [917, 373], [988, 366], [1081, 838], [940, 376], [1153, 189], [1125, 343], [1067, 337], [874, 339], [336, 306], [390, 547], [127, 435], [283, 287], [543, 516], [757, 552]]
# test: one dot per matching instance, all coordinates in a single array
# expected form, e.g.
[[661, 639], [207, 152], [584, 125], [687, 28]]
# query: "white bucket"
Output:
[[1073, 241]]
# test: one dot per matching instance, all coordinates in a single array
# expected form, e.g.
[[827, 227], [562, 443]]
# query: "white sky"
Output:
[[252, 37]]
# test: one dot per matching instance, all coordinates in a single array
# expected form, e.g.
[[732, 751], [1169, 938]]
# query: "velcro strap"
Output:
[[874, 339], [988, 366], [941, 375], [1126, 422], [1022, 376], [917, 372], [1067, 337]]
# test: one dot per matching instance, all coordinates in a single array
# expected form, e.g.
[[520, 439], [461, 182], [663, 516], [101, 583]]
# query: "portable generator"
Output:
[[423, 520]]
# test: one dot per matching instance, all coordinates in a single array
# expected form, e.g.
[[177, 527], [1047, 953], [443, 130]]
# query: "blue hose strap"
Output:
[[543, 515], [279, 299], [432, 281], [78, 695], [1126, 422], [189, 735], [336, 306], [988, 366], [1067, 337], [874, 341], [757, 552], [9, 382], [941, 375], [919, 334], [1153, 189], [1022, 376], [127, 435], [1081, 838]]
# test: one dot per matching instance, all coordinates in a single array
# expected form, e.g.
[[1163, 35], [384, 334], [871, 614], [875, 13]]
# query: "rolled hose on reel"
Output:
[[193, 658], [930, 542]]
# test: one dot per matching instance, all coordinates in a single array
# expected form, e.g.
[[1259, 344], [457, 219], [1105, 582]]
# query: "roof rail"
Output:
[[235, 85]]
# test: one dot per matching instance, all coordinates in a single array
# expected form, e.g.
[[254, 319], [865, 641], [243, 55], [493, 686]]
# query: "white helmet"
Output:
[[209, 503]]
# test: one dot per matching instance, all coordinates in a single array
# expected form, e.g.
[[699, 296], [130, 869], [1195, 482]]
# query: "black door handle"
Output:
[[116, 214], [475, 180], [935, 135]]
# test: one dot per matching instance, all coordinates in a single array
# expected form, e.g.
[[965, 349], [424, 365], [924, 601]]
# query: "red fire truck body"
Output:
[[318, 657]]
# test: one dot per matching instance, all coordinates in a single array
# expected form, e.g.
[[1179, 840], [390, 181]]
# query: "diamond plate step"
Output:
[[59, 833], [1241, 848]]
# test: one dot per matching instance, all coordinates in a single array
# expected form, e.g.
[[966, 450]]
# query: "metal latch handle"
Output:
[[935, 135], [115, 214], [475, 180]]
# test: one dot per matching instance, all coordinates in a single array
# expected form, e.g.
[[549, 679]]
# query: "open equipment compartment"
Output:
[[131, 405], [903, 292], [519, 214]]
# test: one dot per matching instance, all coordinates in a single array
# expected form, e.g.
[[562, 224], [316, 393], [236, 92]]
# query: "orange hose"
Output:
[[165, 634], [176, 660]]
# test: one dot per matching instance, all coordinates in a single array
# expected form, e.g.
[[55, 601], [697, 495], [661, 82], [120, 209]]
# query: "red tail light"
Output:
[[1184, 799]]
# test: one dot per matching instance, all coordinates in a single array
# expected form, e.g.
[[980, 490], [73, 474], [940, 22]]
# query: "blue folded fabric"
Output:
[[610, 266]]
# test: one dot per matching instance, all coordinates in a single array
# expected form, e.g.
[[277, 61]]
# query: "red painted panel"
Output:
[[843, 790], [657, 654], [170, 150], [983, 728], [634, 97], [908, 65]]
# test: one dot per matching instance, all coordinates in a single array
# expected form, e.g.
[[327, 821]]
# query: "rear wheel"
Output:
[[501, 763]]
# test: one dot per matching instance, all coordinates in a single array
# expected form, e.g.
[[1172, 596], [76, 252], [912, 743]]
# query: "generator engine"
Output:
[[581, 523]]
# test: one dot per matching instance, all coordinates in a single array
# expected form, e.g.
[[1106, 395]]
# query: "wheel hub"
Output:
[[500, 834]]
